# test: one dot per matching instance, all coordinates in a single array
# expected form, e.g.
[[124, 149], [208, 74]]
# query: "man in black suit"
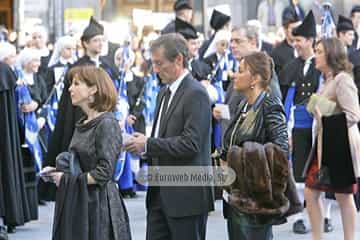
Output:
[[180, 137], [283, 53]]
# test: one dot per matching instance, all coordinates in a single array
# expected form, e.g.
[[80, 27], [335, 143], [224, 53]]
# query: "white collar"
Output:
[[175, 85], [220, 57], [44, 52], [259, 45], [64, 61], [28, 78], [96, 61], [308, 60]]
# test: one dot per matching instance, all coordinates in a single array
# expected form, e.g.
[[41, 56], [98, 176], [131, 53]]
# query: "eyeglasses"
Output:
[[237, 40], [223, 44]]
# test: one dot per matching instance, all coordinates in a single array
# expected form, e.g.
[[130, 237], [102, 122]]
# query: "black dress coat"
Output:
[[135, 93], [13, 200], [92, 212]]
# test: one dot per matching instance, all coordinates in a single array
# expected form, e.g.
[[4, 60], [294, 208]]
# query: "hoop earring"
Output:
[[91, 98]]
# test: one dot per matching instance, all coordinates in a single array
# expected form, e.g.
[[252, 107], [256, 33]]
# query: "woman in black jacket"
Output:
[[260, 118]]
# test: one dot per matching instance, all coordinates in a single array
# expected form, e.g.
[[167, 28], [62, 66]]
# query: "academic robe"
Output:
[[135, 92], [169, 28], [50, 75], [13, 200], [38, 94]]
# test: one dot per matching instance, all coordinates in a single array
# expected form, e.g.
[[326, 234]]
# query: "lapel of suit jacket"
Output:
[[157, 109], [173, 104]]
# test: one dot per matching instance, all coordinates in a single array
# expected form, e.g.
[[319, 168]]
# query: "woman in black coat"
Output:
[[88, 205]]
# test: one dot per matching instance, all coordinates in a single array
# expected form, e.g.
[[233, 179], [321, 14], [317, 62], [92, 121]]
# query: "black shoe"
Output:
[[299, 227], [3, 233], [11, 229], [42, 202], [132, 194], [128, 193], [328, 227]]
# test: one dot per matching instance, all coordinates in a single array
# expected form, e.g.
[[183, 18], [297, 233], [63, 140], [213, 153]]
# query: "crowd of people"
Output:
[[75, 118]]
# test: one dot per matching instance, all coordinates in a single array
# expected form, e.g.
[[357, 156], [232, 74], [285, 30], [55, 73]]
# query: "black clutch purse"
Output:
[[67, 162]]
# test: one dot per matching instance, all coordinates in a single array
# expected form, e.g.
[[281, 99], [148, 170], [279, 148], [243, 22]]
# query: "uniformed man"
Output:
[[300, 80]]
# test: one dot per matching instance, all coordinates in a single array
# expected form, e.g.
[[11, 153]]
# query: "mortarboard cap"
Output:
[[218, 20], [200, 70], [182, 4], [289, 16], [355, 9], [185, 29], [94, 28], [307, 28], [344, 24]]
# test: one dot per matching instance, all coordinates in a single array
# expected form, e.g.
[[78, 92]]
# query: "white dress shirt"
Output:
[[307, 64], [173, 88]]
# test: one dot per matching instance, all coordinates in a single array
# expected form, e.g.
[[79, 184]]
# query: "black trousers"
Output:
[[159, 226]]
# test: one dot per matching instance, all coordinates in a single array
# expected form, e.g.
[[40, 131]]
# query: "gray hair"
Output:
[[173, 45], [252, 32]]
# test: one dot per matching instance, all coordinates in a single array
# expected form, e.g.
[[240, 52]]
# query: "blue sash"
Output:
[[302, 118]]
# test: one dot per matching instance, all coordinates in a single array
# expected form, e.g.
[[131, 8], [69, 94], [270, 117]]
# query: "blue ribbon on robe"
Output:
[[151, 90], [217, 82], [328, 25], [51, 106], [28, 122], [123, 174]]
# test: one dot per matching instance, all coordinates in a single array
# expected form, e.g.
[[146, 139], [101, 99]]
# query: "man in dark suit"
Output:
[[283, 53], [180, 137]]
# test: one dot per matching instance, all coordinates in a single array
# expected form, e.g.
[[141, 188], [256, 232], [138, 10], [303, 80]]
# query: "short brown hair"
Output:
[[259, 63], [336, 57], [106, 95]]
